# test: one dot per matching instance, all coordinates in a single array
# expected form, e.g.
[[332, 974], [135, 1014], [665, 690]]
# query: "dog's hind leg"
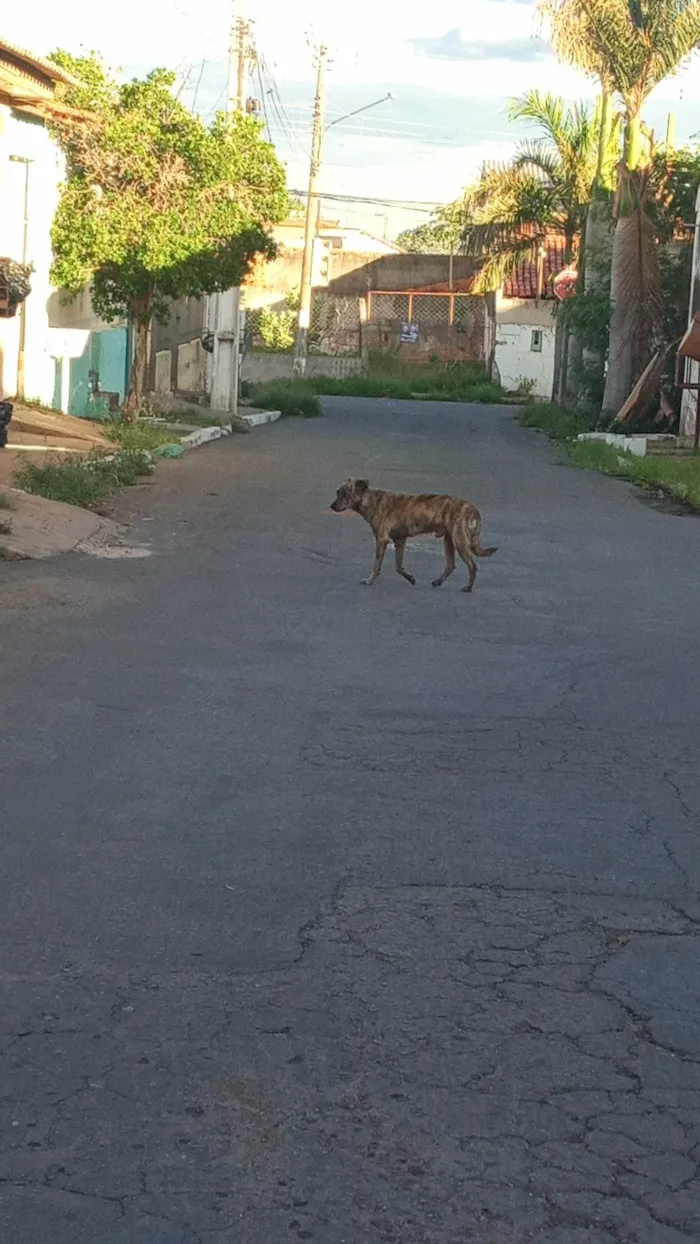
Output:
[[449, 561], [465, 552], [382, 545], [400, 549]]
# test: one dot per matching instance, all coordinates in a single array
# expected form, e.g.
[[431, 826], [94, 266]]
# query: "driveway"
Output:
[[349, 915]]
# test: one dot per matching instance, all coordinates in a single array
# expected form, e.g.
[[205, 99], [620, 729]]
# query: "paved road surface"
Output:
[[350, 915]]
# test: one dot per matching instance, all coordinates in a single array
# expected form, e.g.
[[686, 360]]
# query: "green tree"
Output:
[[156, 205], [441, 234], [629, 46]]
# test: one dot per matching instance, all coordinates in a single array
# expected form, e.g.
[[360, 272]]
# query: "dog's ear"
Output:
[[361, 485]]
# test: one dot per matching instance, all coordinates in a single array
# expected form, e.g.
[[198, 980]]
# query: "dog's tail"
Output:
[[483, 552]]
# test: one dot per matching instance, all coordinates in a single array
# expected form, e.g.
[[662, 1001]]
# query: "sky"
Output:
[[449, 66]]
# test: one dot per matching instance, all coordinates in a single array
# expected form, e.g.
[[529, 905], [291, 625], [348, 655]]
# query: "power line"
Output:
[[409, 205]]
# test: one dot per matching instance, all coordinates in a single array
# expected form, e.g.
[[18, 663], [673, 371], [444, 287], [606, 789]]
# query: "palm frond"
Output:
[[629, 49]]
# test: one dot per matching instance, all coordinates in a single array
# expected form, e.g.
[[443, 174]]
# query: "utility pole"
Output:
[[301, 347], [21, 352], [227, 336]]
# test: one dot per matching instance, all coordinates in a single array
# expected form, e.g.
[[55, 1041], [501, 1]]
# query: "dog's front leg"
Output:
[[382, 544]]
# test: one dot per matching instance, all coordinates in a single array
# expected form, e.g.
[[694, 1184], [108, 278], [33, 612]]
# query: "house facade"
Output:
[[68, 353], [525, 313]]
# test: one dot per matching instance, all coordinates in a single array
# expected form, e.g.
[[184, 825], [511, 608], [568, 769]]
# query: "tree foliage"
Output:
[[441, 234], [630, 46], [156, 204]]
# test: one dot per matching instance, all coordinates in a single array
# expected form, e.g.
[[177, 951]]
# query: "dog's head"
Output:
[[349, 495]]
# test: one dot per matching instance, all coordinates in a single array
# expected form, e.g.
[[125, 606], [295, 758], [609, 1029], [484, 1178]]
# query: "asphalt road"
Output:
[[359, 916]]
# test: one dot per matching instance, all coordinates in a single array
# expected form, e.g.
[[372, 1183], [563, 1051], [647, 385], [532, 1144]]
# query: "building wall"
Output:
[[28, 139], [258, 368], [517, 361], [54, 327], [291, 237]]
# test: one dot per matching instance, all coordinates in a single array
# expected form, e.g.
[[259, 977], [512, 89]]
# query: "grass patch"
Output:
[[137, 437], [292, 397], [559, 424], [84, 482], [5, 527], [676, 478], [435, 382], [6, 502]]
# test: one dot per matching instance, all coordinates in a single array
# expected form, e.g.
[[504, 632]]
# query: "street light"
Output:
[[357, 111], [301, 344], [23, 305]]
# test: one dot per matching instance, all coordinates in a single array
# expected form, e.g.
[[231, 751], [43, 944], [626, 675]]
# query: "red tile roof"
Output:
[[523, 283]]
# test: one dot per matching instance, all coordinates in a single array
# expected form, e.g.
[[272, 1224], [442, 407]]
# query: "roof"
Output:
[[25, 60], [28, 83], [523, 283]]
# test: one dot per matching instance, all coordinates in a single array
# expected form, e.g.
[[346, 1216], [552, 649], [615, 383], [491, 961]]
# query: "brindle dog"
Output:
[[397, 516]]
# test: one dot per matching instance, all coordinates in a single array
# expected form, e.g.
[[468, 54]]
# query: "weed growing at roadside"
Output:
[[83, 481], [291, 397], [135, 436], [6, 502], [676, 478]]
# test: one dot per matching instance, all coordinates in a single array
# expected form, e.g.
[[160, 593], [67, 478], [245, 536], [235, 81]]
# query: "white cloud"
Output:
[[450, 113]]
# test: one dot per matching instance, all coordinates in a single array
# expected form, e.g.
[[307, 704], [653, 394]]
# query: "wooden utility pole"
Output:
[[237, 60], [227, 338], [301, 347]]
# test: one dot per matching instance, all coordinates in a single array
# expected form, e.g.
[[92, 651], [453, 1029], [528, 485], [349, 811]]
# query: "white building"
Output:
[[525, 325], [63, 344]]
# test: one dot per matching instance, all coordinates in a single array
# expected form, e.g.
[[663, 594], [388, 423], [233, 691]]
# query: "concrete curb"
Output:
[[260, 417], [638, 444], [201, 437]]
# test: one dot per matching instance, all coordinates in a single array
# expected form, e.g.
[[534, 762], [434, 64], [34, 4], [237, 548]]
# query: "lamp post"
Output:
[[23, 305]]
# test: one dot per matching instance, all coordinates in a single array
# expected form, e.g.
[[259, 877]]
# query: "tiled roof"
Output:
[[27, 60], [523, 283]]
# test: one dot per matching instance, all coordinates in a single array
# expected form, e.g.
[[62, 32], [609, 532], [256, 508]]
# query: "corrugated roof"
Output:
[[523, 283]]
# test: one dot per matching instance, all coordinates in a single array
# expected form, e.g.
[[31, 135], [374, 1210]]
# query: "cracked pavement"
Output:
[[358, 917]]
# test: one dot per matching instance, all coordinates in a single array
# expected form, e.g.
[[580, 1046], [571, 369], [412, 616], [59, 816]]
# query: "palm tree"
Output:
[[630, 46], [543, 192]]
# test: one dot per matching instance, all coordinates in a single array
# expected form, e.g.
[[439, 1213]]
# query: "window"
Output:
[[536, 341]]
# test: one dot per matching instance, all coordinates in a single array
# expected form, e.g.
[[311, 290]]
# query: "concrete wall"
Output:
[[258, 368], [516, 360], [187, 366], [354, 273]]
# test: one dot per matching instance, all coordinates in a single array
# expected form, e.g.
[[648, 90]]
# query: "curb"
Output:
[[202, 435], [260, 417]]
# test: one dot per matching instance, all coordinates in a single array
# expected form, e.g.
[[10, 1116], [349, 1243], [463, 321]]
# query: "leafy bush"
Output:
[[291, 397], [83, 481]]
